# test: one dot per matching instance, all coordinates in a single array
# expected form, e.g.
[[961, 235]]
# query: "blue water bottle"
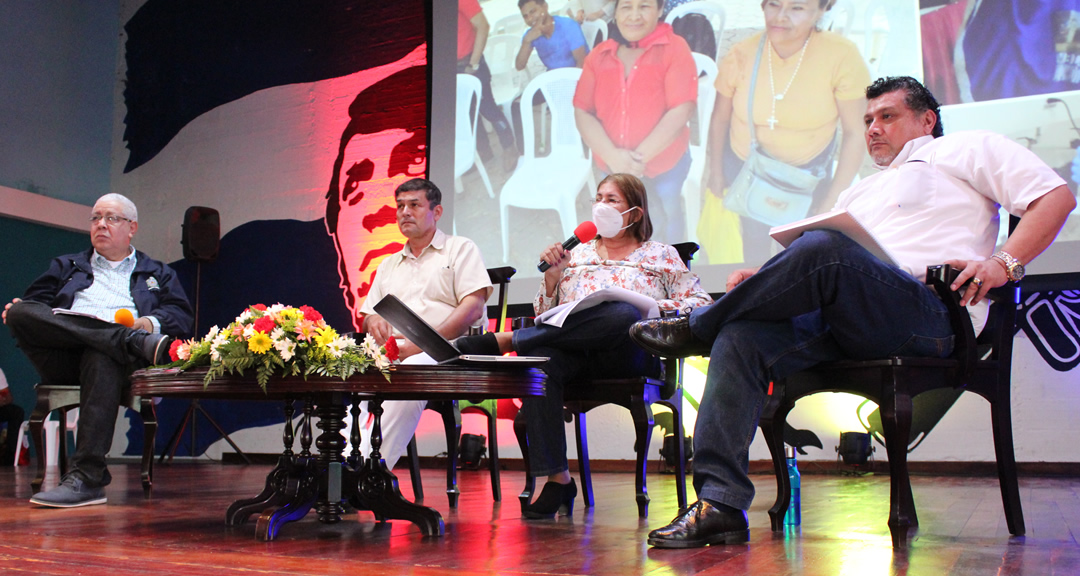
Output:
[[794, 511]]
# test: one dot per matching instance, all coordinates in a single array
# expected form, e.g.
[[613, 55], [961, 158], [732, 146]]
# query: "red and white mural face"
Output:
[[276, 118], [373, 166]]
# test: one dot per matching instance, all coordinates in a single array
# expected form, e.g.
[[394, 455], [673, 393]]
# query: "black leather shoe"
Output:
[[668, 337], [701, 525]]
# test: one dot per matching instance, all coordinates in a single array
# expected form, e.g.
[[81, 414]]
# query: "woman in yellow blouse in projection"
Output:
[[808, 82]]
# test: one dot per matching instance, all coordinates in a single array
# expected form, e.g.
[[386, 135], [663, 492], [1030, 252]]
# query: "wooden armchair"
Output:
[[451, 411], [62, 398], [635, 394], [893, 382]]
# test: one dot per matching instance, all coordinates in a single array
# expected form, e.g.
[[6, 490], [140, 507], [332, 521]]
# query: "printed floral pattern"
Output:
[[654, 269]]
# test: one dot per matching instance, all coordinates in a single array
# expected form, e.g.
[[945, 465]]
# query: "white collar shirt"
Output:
[[938, 200], [111, 289], [433, 283]]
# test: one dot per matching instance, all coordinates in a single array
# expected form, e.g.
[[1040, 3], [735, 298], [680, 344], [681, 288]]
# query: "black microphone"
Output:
[[583, 233]]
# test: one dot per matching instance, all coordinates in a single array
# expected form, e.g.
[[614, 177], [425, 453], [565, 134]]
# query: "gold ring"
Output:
[[976, 281]]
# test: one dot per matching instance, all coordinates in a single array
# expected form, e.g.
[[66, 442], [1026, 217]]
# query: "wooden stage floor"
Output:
[[181, 530]]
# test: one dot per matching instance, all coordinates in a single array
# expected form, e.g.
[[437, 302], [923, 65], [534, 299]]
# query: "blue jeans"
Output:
[[824, 298], [666, 202], [592, 343]]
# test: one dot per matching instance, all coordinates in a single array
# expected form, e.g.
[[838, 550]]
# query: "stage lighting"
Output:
[[854, 448], [667, 451], [471, 450]]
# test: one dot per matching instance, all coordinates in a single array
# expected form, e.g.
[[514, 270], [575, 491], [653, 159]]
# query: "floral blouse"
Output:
[[654, 269]]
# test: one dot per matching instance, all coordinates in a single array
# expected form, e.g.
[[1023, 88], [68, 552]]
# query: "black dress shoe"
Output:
[[668, 337], [701, 525]]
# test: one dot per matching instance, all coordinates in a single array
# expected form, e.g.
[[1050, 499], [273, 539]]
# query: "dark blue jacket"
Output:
[[154, 287]]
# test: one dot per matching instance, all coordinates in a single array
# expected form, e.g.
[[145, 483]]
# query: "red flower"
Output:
[[310, 314], [259, 307], [264, 324], [172, 349], [392, 351]]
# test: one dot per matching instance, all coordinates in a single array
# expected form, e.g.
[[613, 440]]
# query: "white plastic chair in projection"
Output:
[[714, 12], [466, 116], [694, 184], [551, 182]]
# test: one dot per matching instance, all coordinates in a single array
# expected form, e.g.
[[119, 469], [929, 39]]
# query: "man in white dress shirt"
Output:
[[826, 298]]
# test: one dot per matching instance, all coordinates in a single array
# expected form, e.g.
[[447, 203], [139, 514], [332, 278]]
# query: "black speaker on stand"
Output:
[[200, 237]]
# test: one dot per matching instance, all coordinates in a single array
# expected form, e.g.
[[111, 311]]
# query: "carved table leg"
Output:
[[299, 483], [307, 490], [281, 483], [354, 432], [306, 478], [373, 487], [331, 446]]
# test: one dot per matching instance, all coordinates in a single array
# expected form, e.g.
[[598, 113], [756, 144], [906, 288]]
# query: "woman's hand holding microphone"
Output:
[[558, 258]]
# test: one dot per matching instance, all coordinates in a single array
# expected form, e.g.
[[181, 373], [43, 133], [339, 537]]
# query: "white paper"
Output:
[[557, 315], [839, 220], [66, 312]]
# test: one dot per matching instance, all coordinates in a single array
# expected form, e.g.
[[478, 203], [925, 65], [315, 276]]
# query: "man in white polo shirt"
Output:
[[442, 278]]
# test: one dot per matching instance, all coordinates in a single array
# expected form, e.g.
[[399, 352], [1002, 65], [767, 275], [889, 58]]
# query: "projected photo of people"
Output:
[[590, 10], [1048, 126], [809, 83], [633, 105], [636, 110], [1035, 48]]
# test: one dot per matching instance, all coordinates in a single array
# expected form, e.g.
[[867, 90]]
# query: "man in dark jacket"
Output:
[[65, 325]]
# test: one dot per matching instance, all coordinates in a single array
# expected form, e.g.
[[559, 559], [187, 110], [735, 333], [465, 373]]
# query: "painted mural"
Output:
[[296, 120]]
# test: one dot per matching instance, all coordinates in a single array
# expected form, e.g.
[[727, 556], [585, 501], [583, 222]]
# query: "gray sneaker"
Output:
[[71, 493]]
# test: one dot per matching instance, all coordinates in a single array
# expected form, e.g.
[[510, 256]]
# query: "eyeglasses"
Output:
[[111, 219], [608, 201]]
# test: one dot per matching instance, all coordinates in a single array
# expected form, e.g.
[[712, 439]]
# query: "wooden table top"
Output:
[[406, 382]]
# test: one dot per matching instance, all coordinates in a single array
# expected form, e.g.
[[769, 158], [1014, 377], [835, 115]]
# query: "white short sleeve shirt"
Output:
[[434, 283], [939, 199]]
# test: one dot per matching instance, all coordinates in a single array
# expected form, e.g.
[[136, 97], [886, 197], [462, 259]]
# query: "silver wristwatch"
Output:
[[1013, 268]]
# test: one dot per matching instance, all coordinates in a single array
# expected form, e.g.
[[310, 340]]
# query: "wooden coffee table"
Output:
[[327, 479]]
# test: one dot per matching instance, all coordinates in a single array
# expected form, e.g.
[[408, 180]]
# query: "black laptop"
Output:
[[419, 332]]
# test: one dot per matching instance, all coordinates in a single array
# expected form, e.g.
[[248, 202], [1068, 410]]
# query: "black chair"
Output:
[[982, 366], [451, 411], [62, 398], [635, 394]]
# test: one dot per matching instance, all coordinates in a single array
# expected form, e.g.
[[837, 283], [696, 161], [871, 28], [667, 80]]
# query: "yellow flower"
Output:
[[259, 343], [291, 314], [324, 336]]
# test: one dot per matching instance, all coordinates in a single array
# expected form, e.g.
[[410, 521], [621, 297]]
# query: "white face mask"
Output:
[[608, 220]]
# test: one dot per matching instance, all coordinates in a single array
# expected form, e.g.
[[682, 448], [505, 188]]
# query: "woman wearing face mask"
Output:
[[593, 342], [633, 104]]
